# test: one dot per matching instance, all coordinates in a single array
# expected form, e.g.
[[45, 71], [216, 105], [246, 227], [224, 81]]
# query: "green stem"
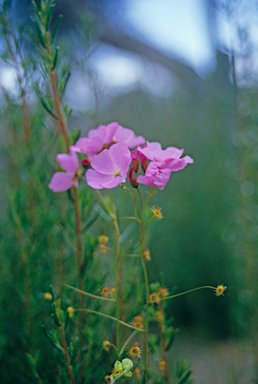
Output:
[[87, 294], [108, 317], [141, 241], [184, 293], [118, 218], [67, 359], [146, 290], [134, 201], [118, 272]]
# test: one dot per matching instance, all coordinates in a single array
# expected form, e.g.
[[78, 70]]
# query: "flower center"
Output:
[[116, 172]]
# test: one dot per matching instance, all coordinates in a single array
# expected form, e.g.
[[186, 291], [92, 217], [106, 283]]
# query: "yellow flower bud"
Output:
[[47, 296], [70, 311]]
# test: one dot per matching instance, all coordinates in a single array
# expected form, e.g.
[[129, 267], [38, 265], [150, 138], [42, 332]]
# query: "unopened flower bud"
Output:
[[47, 296], [85, 163], [70, 311], [135, 160], [103, 239], [143, 159], [132, 179], [127, 365]]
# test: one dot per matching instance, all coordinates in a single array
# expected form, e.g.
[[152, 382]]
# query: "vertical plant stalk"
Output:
[[56, 97], [67, 359], [146, 363], [79, 249], [118, 273], [63, 127], [163, 346]]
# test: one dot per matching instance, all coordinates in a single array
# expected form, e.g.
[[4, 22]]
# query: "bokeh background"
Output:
[[183, 73]]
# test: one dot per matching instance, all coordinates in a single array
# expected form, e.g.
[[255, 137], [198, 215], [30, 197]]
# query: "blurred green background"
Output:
[[209, 231]]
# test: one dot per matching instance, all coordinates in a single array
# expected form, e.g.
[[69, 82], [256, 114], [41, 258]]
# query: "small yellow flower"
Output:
[[162, 365], [147, 255], [153, 298], [108, 378], [103, 239], [135, 350], [138, 325], [103, 248], [220, 290], [105, 291], [138, 322], [157, 212], [117, 371], [47, 296], [163, 292], [137, 372], [106, 345], [70, 311]]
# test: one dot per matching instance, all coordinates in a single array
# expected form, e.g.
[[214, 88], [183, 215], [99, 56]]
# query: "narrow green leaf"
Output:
[[56, 28], [50, 338], [65, 83], [55, 59], [32, 363], [36, 9], [183, 380], [39, 33], [90, 223], [48, 108], [49, 14], [102, 213]]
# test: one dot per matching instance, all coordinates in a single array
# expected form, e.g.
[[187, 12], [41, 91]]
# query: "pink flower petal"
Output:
[[188, 159], [127, 136], [157, 175], [69, 162], [103, 162], [120, 157], [61, 181], [97, 180]]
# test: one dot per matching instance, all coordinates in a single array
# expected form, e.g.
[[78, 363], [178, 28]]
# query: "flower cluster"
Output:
[[108, 160], [121, 369]]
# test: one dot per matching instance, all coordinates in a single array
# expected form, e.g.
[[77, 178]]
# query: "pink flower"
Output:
[[106, 135], [153, 151], [163, 163], [157, 175], [61, 181], [110, 167]]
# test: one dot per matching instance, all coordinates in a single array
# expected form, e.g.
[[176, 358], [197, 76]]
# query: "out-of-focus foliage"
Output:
[[209, 232]]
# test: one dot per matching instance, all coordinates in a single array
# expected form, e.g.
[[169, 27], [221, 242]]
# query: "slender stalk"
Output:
[[141, 242], [67, 359], [184, 293], [87, 294], [78, 234], [146, 290], [118, 273], [118, 218], [108, 317], [63, 127], [163, 346], [53, 80]]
